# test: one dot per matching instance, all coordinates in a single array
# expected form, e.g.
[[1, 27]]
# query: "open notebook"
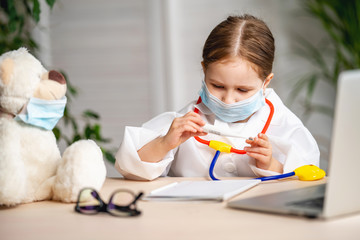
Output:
[[201, 190]]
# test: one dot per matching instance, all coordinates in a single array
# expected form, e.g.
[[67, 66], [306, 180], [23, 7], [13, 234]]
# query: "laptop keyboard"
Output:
[[316, 203]]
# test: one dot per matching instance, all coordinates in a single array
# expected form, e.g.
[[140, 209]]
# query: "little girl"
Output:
[[237, 63]]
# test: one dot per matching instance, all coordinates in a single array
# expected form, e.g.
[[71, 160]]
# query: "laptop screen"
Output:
[[344, 165]]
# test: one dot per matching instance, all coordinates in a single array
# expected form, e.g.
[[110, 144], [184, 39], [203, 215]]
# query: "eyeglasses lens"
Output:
[[89, 202], [121, 204]]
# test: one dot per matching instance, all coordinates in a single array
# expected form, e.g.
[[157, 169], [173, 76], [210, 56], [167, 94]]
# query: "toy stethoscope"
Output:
[[304, 173]]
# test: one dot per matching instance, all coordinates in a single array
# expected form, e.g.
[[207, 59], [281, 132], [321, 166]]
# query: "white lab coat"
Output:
[[292, 145]]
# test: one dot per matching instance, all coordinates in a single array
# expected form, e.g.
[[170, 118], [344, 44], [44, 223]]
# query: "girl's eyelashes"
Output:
[[242, 90], [217, 86]]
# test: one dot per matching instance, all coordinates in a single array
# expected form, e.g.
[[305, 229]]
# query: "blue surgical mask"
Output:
[[43, 113], [232, 112]]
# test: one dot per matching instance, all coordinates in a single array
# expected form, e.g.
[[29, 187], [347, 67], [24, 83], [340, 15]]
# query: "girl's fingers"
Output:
[[258, 150], [263, 136], [259, 157], [261, 140], [192, 119], [195, 128], [193, 114], [262, 143], [193, 124], [197, 119], [182, 127]]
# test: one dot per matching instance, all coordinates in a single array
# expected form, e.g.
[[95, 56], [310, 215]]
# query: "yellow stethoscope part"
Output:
[[309, 173]]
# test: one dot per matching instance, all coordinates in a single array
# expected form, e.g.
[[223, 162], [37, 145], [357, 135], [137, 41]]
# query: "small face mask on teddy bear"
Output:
[[42, 113]]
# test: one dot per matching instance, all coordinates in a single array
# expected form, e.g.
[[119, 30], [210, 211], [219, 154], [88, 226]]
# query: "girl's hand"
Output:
[[183, 128], [261, 150]]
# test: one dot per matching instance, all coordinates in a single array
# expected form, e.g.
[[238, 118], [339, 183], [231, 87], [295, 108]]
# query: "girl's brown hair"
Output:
[[243, 36]]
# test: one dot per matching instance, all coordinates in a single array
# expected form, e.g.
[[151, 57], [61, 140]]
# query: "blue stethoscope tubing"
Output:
[[213, 162], [212, 165]]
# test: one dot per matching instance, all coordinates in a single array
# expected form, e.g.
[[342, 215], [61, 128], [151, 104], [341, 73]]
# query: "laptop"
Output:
[[341, 194]]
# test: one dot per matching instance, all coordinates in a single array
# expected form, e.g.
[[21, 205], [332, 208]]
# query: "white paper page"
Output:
[[202, 190]]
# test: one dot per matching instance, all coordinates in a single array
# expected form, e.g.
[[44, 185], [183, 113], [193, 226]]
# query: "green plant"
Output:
[[18, 18], [340, 51], [90, 130]]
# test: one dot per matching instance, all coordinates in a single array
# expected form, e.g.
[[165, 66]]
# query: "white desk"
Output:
[[171, 220]]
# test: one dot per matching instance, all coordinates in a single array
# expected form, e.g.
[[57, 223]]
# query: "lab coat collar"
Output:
[[209, 115], [278, 108]]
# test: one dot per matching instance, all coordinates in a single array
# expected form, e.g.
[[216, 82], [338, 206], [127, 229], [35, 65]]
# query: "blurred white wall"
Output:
[[133, 59]]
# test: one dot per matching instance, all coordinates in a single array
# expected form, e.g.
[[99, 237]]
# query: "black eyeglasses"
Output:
[[122, 203]]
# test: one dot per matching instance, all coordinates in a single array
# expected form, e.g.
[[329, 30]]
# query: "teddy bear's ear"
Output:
[[6, 70]]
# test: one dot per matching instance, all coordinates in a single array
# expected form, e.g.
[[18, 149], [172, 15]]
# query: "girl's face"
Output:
[[233, 80]]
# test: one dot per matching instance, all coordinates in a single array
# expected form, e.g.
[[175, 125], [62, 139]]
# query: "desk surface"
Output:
[[171, 220]]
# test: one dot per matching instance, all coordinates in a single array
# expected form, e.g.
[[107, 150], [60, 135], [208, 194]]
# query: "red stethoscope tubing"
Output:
[[234, 150]]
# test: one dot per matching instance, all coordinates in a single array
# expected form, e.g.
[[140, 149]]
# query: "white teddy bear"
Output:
[[32, 100]]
